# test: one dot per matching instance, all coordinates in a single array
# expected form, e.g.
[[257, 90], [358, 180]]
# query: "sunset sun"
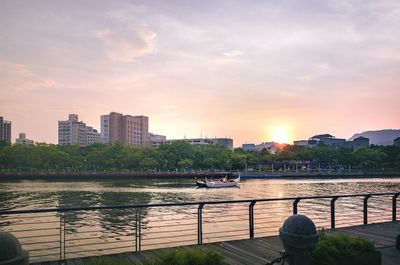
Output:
[[280, 134]]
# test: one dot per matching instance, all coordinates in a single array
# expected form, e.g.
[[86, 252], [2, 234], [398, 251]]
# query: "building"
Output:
[[249, 147], [73, 131], [127, 129], [396, 142], [358, 142], [325, 139], [22, 140], [156, 140], [328, 140], [225, 142], [193, 141], [270, 147], [5, 130], [332, 141]]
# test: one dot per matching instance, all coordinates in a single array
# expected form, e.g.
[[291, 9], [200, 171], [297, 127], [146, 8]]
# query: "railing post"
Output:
[[138, 230], [200, 224], [394, 207], [366, 208], [251, 219], [61, 234], [63, 217], [333, 212], [296, 201]]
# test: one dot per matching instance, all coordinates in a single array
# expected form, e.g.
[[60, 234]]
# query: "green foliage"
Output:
[[339, 249], [190, 257], [183, 156]]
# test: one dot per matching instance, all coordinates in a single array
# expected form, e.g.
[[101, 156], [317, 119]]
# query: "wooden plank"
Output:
[[270, 243], [259, 250], [253, 246], [242, 256], [244, 250], [210, 247], [234, 257]]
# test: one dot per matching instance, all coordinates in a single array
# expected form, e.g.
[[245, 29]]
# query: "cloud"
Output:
[[127, 44], [233, 53], [19, 78]]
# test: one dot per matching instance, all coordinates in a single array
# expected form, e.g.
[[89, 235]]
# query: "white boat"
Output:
[[222, 183]]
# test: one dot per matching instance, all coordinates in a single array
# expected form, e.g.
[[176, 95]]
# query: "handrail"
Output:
[[137, 230], [134, 206]]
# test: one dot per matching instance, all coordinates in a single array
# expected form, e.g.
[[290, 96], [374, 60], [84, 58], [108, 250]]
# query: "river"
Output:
[[170, 226], [36, 194]]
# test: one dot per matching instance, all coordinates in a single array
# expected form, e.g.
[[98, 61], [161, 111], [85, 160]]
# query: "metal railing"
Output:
[[62, 233]]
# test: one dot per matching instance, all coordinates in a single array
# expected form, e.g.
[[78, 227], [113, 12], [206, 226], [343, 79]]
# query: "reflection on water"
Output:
[[48, 194], [84, 233]]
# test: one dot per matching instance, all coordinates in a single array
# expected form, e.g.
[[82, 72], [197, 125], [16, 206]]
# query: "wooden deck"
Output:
[[263, 250]]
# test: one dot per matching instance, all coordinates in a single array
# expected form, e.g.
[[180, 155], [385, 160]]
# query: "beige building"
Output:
[[156, 140], [225, 142], [5, 130], [129, 130], [73, 131], [22, 140]]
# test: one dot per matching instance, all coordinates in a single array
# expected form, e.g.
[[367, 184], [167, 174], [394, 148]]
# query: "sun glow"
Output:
[[280, 135]]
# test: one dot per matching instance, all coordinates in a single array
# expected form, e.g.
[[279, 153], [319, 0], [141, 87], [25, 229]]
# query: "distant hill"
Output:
[[379, 137]]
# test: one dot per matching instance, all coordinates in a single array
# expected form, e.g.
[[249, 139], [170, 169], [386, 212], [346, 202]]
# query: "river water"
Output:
[[111, 231]]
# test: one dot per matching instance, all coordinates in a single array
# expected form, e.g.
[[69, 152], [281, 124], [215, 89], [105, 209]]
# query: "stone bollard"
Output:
[[11, 252], [298, 235]]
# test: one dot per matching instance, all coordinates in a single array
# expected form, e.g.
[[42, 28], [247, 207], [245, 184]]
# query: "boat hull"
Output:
[[222, 184], [201, 184]]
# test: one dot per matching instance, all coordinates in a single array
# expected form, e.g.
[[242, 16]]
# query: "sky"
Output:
[[250, 70]]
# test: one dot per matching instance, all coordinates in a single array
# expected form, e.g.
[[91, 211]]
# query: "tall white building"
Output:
[[105, 129], [73, 131]]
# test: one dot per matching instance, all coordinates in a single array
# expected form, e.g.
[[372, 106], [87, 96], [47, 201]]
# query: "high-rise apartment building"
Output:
[[5, 130], [73, 131], [129, 130]]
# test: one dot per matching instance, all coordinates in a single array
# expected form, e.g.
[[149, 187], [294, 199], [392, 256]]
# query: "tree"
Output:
[[185, 163], [148, 164]]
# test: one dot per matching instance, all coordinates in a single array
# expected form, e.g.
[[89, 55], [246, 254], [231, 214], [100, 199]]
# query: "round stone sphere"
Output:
[[298, 231], [299, 224], [10, 247]]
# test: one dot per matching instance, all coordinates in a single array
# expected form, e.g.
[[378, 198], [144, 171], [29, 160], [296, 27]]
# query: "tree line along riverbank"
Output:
[[183, 157]]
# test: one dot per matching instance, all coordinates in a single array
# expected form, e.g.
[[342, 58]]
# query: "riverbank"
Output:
[[111, 175], [190, 175], [279, 174]]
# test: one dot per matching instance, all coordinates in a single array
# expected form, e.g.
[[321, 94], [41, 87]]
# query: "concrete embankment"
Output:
[[244, 175], [111, 175], [277, 175]]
